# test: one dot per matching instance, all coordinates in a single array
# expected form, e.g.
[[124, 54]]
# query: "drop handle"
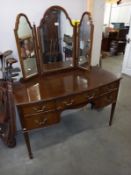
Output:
[[90, 97], [39, 109], [68, 103], [41, 122]]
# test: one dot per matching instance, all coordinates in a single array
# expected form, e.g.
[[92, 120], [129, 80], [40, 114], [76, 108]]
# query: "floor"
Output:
[[113, 63], [82, 144]]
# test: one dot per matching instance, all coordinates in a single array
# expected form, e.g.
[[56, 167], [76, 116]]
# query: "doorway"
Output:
[[115, 30]]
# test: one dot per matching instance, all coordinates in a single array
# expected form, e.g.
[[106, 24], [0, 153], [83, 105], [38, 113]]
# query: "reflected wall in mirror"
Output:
[[85, 38], [26, 46], [55, 35]]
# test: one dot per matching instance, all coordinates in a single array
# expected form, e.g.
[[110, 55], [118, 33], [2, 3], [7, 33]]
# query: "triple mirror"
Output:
[[56, 44]]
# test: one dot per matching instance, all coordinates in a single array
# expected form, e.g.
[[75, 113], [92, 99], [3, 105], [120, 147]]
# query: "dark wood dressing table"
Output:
[[55, 81], [40, 101]]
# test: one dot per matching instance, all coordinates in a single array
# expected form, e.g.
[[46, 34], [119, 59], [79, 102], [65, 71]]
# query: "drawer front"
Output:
[[110, 87], [41, 120], [37, 108], [72, 101], [105, 100], [76, 100]]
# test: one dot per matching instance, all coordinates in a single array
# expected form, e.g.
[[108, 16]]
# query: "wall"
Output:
[[119, 13], [107, 14], [97, 7], [34, 10]]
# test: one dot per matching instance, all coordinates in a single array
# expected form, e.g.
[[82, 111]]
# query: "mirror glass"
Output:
[[84, 41], [56, 40], [26, 47]]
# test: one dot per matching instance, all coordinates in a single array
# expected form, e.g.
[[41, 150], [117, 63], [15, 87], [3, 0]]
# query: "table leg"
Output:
[[27, 141], [112, 113]]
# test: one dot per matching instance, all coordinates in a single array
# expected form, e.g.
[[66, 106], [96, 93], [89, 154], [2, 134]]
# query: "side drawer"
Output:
[[105, 100], [41, 120], [110, 87], [38, 107]]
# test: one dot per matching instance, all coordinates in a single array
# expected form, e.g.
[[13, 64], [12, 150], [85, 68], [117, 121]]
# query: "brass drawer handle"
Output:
[[39, 109], [68, 104], [90, 97], [59, 108], [40, 123]]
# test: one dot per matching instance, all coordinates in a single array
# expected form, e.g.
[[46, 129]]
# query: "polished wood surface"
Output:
[[55, 86]]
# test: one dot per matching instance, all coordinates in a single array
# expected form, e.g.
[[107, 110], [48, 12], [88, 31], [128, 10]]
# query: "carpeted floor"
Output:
[[82, 143], [113, 63]]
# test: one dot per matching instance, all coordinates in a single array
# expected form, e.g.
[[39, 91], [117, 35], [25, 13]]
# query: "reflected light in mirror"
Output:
[[34, 92], [82, 81]]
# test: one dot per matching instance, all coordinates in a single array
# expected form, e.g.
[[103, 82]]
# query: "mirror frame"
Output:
[[74, 29], [25, 77], [91, 40]]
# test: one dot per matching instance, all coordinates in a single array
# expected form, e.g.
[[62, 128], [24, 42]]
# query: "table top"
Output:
[[55, 86]]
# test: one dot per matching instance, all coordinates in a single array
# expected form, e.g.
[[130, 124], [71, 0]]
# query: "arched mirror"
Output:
[[85, 37], [26, 46], [55, 35]]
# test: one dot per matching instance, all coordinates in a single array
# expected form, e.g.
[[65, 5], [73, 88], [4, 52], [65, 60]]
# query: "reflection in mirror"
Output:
[[33, 92], [56, 40], [85, 40], [26, 47]]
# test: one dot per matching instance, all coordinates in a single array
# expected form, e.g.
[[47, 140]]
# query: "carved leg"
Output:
[[27, 141], [112, 113]]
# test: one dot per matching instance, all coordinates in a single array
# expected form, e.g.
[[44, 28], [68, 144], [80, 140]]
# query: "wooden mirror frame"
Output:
[[91, 40], [74, 29], [18, 47]]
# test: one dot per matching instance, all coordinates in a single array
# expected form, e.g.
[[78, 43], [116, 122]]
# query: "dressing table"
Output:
[[60, 83]]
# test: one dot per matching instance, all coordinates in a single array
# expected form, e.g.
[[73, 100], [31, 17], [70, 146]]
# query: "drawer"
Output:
[[68, 102], [38, 107], [105, 100], [110, 87], [72, 101], [41, 120]]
